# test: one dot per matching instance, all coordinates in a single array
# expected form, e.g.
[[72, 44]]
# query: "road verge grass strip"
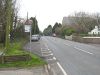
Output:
[[16, 48]]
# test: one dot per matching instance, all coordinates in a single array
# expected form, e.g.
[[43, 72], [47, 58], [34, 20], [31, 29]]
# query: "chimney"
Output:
[[27, 16]]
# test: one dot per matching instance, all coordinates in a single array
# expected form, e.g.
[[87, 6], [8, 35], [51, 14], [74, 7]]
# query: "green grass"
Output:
[[16, 49]]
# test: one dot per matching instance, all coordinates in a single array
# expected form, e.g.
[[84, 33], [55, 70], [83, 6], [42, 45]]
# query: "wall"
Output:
[[94, 40], [68, 37]]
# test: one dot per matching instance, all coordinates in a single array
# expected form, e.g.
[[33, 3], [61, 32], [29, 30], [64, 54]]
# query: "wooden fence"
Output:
[[14, 58]]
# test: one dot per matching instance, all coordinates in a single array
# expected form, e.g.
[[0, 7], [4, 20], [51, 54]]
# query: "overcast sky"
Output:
[[51, 11]]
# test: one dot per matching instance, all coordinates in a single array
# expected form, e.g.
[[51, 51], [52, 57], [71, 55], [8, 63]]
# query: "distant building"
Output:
[[95, 31], [68, 21]]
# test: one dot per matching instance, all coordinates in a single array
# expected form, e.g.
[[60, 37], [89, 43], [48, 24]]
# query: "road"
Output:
[[75, 58]]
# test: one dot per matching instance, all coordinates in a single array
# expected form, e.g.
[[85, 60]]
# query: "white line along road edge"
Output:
[[64, 72]]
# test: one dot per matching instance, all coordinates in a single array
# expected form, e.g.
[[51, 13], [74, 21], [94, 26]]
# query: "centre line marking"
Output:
[[83, 50], [64, 72]]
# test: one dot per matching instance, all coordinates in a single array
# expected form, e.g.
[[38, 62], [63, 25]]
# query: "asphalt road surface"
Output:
[[75, 58]]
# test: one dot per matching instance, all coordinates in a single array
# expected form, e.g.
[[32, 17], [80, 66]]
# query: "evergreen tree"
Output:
[[56, 26], [35, 28], [48, 31]]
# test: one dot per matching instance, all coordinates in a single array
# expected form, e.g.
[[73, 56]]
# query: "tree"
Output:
[[35, 28], [7, 11], [8, 22], [85, 22], [56, 26], [48, 31]]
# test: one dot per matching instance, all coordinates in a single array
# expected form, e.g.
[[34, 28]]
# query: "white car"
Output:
[[35, 37]]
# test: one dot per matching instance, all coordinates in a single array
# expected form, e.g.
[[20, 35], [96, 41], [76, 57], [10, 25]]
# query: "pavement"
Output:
[[35, 47], [73, 58], [32, 71]]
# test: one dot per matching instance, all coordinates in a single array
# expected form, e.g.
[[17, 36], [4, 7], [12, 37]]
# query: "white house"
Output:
[[95, 31], [27, 26]]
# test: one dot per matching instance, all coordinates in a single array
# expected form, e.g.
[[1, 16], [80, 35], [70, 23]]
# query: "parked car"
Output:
[[35, 37]]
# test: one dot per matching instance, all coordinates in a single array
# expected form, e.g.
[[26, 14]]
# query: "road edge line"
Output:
[[64, 72]]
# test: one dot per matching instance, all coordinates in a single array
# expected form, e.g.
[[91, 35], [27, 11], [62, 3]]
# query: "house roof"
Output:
[[28, 22]]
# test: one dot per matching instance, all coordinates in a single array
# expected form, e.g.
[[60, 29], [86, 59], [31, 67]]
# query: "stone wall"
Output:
[[94, 40]]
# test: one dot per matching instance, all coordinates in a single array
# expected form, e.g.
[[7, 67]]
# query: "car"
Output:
[[35, 37], [54, 35]]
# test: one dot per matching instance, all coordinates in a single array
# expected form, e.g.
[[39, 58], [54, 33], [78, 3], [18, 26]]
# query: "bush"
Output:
[[67, 31]]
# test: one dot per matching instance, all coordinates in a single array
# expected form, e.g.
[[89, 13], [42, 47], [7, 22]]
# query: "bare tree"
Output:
[[8, 13], [85, 22]]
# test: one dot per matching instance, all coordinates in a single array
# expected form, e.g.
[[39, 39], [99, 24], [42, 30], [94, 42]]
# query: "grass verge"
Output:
[[34, 62], [16, 49]]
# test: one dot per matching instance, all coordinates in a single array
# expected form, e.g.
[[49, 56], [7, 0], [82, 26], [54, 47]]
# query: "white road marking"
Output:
[[83, 50], [41, 52], [46, 51], [48, 54], [64, 72], [52, 58]]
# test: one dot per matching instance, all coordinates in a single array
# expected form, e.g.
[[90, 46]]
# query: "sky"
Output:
[[48, 12]]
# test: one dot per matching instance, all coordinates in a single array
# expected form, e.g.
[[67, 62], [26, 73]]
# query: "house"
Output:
[[95, 31], [27, 26]]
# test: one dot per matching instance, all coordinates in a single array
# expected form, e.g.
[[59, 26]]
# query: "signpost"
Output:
[[30, 38]]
